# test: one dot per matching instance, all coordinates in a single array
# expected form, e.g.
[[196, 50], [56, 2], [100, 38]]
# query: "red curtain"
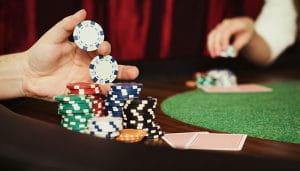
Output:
[[17, 25], [148, 29]]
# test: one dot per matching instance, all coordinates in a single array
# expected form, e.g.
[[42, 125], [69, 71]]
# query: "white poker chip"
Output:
[[229, 53], [88, 35], [103, 69]]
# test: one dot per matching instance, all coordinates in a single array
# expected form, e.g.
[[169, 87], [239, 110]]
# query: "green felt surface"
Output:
[[272, 115]]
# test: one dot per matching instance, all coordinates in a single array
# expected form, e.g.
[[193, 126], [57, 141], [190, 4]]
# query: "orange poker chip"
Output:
[[131, 135]]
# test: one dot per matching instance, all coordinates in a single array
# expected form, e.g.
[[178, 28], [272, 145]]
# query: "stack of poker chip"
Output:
[[205, 81], [117, 95], [223, 77], [215, 77], [75, 111], [104, 127], [131, 135], [92, 91], [139, 114]]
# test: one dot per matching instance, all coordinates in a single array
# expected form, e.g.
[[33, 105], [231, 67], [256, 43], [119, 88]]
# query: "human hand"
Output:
[[240, 28], [53, 61]]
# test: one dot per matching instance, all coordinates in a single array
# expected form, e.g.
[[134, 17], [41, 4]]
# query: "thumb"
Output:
[[63, 29]]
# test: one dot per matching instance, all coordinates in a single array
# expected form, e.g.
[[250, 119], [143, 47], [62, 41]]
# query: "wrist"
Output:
[[12, 75], [28, 76]]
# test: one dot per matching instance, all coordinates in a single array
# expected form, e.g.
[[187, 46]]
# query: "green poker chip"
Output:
[[205, 81], [65, 107], [70, 97], [78, 102], [75, 125], [70, 111], [74, 122], [76, 105], [76, 118], [74, 128]]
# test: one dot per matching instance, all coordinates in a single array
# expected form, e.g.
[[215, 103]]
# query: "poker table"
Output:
[[163, 81]]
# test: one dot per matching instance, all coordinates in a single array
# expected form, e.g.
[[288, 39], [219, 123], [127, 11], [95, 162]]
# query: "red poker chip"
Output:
[[98, 112], [97, 102], [82, 85], [97, 109], [98, 115], [95, 96], [85, 92]]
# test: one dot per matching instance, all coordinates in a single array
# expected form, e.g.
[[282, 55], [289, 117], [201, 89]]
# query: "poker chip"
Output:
[[131, 135], [138, 113], [72, 111], [75, 106], [126, 86], [230, 52], [82, 85], [92, 91], [88, 35], [217, 77], [103, 69], [83, 111], [107, 122], [118, 94], [205, 81], [85, 91], [67, 98], [223, 77], [104, 127]]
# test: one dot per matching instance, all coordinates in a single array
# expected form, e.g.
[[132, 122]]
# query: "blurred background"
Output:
[[168, 33]]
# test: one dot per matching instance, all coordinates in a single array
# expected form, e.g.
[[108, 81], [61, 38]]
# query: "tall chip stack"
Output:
[[92, 91], [139, 114], [117, 95], [75, 111], [83, 108]]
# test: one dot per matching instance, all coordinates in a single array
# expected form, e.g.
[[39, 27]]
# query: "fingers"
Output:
[[63, 29], [240, 41], [219, 38], [210, 43], [127, 72], [104, 49]]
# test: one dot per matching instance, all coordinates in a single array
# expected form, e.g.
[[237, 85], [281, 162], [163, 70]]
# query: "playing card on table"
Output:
[[217, 141], [241, 88], [179, 140]]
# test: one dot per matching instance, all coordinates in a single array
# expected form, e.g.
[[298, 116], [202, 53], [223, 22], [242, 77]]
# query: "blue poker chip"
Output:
[[125, 92], [114, 113], [88, 35], [113, 103], [103, 69], [127, 86], [124, 95], [118, 99], [114, 108]]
